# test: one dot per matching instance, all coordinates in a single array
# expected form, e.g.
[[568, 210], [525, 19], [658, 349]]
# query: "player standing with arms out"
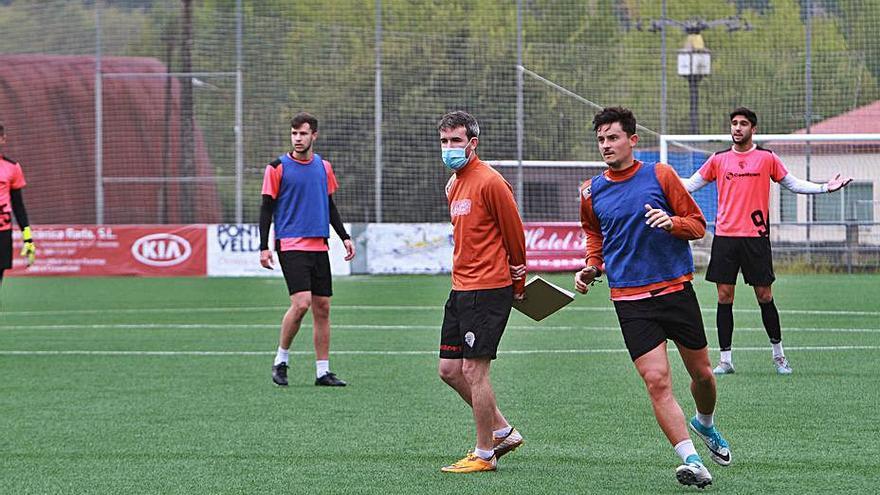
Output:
[[742, 229], [489, 246], [12, 203], [649, 267], [298, 192]]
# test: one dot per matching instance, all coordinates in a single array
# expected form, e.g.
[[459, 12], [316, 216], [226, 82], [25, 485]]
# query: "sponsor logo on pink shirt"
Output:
[[734, 175]]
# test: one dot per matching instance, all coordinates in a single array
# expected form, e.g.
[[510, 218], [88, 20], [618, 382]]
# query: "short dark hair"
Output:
[[460, 118], [304, 118], [2, 129], [611, 115], [745, 112]]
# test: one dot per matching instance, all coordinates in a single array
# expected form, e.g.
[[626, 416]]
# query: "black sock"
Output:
[[724, 322], [771, 321]]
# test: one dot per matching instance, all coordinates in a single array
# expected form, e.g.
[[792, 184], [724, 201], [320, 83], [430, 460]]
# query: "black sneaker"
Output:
[[279, 374], [329, 380]]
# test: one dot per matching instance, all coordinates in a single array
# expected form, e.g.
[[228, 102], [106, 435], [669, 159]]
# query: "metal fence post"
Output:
[[99, 122]]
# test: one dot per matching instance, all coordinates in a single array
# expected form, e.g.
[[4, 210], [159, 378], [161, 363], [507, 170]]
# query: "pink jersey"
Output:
[[11, 177], [271, 185], [743, 181]]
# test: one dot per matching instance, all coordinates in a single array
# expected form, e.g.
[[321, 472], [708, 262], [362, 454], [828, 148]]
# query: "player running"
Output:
[[638, 219]]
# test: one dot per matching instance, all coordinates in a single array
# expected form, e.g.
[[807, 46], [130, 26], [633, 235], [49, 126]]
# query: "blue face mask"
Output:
[[454, 158]]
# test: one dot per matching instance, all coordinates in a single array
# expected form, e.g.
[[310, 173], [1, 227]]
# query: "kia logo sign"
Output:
[[161, 250]]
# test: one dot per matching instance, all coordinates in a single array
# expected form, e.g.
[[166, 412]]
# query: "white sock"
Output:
[[685, 448], [727, 356], [707, 420], [281, 356], [484, 454], [322, 368], [777, 350], [503, 432]]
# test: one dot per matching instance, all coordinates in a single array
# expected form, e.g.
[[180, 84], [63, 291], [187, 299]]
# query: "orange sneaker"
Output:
[[472, 463], [505, 445]]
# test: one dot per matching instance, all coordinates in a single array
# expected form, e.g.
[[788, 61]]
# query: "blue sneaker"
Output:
[[693, 473], [719, 450]]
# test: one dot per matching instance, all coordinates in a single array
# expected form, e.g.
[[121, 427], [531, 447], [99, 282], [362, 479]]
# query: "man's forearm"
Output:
[[336, 221], [694, 182], [266, 209], [18, 208], [800, 186]]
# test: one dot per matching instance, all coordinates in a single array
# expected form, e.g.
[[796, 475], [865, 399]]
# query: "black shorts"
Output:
[[751, 254], [306, 271], [474, 321], [646, 323], [5, 249]]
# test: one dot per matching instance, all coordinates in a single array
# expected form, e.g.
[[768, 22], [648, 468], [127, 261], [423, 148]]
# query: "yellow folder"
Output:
[[543, 298]]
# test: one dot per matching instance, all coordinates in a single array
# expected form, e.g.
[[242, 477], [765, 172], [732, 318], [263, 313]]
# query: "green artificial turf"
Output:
[[132, 385]]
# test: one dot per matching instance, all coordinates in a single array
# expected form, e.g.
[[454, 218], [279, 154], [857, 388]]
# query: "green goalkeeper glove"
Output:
[[29, 250]]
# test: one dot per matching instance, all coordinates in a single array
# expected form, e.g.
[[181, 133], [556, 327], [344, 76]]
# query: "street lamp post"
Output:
[[694, 60], [694, 63]]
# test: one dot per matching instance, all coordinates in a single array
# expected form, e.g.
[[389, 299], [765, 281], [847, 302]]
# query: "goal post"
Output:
[[836, 229], [666, 139], [549, 187], [158, 160]]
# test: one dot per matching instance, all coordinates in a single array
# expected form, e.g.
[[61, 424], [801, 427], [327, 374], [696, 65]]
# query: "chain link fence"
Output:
[[196, 96]]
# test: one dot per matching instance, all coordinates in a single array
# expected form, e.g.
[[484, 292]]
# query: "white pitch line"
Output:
[[227, 326], [396, 353], [62, 312], [437, 308]]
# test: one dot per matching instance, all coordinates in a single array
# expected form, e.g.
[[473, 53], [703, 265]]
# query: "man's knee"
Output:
[[658, 383], [704, 377], [450, 370], [299, 304], [475, 370], [321, 307], [726, 293], [764, 294]]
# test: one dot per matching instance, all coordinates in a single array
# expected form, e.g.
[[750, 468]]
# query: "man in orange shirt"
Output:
[[638, 219], [489, 247]]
